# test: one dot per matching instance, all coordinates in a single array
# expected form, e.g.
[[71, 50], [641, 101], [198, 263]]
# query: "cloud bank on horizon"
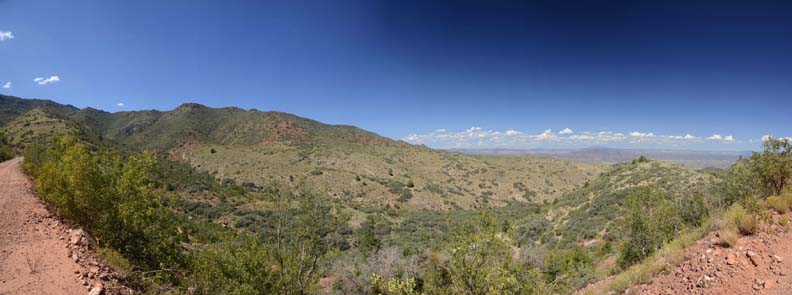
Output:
[[477, 137]]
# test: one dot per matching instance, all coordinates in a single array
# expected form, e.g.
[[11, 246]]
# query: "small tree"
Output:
[[651, 221], [774, 165], [479, 261], [368, 242], [303, 241]]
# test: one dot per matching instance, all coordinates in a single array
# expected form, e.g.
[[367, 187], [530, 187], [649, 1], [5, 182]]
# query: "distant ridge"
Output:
[[196, 123]]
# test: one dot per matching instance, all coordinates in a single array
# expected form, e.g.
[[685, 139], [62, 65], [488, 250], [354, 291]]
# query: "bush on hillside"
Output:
[[787, 196], [572, 267], [728, 237], [747, 224], [5, 150], [651, 221], [778, 204], [693, 210], [478, 260], [242, 266], [111, 197], [774, 165]]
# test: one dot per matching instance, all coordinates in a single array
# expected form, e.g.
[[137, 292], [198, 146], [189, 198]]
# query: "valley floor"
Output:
[[38, 253]]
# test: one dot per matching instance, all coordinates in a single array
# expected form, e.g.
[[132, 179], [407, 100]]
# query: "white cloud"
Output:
[[7, 85], [729, 138], [640, 134], [440, 130], [565, 131], [766, 137], [715, 137], [690, 136], [473, 129], [120, 104], [547, 134], [45, 81], [512, 132], [5, 35]]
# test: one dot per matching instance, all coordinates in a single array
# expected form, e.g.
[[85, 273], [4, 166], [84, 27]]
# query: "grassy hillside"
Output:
[[273, 149], [376, 176], [12, 107], [40, 125], [593, 213], [195, 123]]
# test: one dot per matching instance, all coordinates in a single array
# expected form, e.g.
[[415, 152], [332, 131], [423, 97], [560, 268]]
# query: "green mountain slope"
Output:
[[593, 212], [195, 123], [357, 167], [374, 176], [40, 125], [12, 107]]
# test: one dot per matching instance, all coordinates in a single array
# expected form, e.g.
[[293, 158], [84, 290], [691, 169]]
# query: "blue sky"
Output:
[[634, 74]]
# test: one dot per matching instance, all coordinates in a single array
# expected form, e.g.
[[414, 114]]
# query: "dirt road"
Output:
[[34, 256]]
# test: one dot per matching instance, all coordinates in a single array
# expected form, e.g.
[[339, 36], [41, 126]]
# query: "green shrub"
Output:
[[774, 165], [651, 221], [111, 196], [573, 267], [381, 286], [242, 266], [692, 210], [787, 196], [783, 220], [747, 224], [733, 215], [115, 260], [728, 237], [778, 204], [478, 260], [5, 150]]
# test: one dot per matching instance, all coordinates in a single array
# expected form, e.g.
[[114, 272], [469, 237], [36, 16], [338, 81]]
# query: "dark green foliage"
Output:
[[761, 175], [693, 209], [238, 265], [305, 235], [774, 165], [477, 260], [368, 240], [640, 159], [571, 267], [112, 197], [651, 221], [5, 150]]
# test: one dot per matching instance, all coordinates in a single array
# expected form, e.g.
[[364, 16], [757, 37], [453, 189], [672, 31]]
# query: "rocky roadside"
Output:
[[757, 264], [93, 274]]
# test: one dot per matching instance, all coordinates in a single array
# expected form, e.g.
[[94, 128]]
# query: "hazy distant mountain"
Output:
[[697, 159]]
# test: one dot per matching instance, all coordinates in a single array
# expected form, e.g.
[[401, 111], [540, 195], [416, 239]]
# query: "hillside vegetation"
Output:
[[377, 176], [40, 126], [5, 149], [292, 154], [593, 213]]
